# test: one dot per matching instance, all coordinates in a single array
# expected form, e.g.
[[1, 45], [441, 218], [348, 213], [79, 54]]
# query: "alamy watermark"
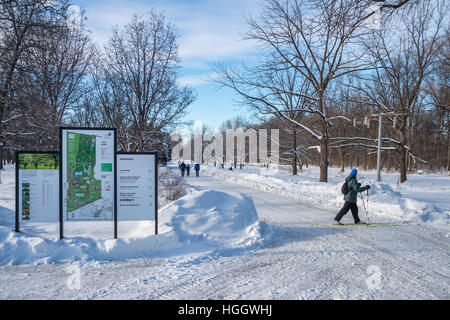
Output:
[[74, 17], [230, 146], [373, 282], [73, 282], [374, 20]]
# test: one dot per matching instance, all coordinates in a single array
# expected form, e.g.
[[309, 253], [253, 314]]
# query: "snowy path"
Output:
[[297, 261]]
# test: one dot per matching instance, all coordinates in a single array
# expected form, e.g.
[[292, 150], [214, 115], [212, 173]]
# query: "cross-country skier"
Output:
[[350, 198]]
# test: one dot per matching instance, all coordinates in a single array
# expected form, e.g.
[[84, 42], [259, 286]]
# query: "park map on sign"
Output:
[[83, 188]]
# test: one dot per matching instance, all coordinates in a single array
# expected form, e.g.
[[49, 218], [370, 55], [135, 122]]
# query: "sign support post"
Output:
[[17, 223], [115, 184], [156, 194], [61, 198]]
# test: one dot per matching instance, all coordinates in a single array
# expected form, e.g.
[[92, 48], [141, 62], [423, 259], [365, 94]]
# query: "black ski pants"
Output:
[[348, 206]]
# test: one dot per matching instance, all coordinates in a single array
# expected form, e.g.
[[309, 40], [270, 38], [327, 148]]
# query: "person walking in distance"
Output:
[[197, 169], [182, 168], [351, 196], [188, 169]]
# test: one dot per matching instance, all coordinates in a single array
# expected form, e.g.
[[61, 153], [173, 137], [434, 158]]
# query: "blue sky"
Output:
[[210, 32]]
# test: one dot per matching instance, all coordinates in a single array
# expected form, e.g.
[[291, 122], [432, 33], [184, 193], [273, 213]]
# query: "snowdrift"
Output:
[[200, 222], [216, 218], [389, 203]]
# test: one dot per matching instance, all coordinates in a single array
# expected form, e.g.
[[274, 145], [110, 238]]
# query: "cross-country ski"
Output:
[[358, 225]]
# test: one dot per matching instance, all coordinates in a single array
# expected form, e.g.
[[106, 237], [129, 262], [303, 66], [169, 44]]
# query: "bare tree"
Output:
[[141, 68], [18, 20], [438, 88], [108, 101], [58, 78], [312, 39], [401, 63], [270, 91]]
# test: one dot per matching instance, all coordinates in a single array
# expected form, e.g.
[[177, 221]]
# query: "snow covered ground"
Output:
[[250, 234]]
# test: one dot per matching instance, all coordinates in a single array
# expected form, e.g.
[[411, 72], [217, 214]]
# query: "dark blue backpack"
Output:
[[344, 188]]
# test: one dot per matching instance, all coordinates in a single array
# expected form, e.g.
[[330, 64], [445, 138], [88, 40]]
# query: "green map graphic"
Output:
[[83, 188]]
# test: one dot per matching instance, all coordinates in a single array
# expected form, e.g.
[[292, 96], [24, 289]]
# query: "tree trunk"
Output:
[[351, 158], [1, 159], [448, 148], [294, 146], [300, 164], [365, 161], [408, 161], [342, 160], [324, 156], [403, 153], [388, 163], [2, 108], [402, 161], [1, 163]]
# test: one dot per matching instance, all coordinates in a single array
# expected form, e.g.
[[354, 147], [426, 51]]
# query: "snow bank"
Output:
[[199, 222], [384, 201], [24, 249], [217, 218]]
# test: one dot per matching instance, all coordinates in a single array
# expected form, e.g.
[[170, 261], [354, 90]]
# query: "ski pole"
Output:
[[364, 205], [368, 220]]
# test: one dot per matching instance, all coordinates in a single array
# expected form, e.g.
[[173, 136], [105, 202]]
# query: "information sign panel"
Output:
[[137, 186], [88, 165], [37, 187]]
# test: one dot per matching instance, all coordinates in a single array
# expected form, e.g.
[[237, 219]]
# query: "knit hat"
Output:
[[354, 172]]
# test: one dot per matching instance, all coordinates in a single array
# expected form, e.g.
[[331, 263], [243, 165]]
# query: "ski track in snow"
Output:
[[295, 261]]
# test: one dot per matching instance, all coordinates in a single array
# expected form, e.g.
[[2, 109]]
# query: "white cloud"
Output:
[[213, 45], [196, 80], [210, 30]]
